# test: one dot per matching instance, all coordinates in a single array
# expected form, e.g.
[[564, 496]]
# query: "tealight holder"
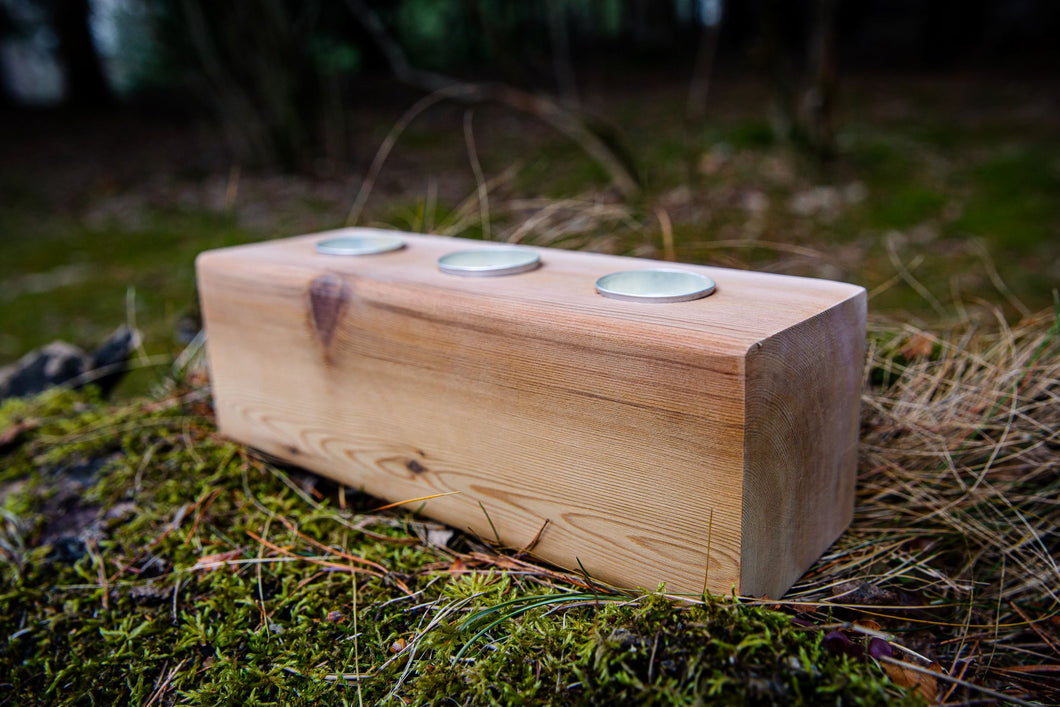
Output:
[[645, 422]]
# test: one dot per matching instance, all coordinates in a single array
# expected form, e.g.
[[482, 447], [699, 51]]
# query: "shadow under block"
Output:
[[650, 442]]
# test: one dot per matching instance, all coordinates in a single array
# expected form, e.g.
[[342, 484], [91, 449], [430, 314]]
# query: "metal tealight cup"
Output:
[[658, 285], [489, 262], [361, 242]]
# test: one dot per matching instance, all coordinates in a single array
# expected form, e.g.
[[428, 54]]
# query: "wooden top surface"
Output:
[[746, 308]]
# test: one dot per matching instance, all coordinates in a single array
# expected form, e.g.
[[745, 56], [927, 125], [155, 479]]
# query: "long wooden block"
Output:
[[703, 443]]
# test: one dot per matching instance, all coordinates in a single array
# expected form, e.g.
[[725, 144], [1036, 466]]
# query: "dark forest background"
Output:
[[282, 76]]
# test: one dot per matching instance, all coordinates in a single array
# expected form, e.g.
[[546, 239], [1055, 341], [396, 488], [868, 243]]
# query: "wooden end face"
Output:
[[803, 391]]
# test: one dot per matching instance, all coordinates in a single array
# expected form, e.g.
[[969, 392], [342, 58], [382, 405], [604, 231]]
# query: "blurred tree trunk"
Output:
[[804, 83], [650, 22], [86, 85], [820, 98], [699, 85], [497, 46], [562, 67], [781, 72], [258, 74], [7, 28], [7, 98]]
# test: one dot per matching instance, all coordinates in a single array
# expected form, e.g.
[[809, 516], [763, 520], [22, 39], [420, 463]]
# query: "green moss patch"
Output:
[[145, 559]]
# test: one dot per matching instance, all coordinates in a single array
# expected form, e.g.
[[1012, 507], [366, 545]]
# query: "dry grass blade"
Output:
[[323, 562], [407, 501], [957, 525], [315, 543], [590, 222]]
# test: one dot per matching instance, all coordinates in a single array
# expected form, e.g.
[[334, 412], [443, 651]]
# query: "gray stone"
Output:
[[60, 363]]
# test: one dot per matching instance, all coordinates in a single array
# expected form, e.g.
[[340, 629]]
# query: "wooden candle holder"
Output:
[[709, 443]]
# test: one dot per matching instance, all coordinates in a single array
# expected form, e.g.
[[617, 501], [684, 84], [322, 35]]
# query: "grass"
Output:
[[143, 558]]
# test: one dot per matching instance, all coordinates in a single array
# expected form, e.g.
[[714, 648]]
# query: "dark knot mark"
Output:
[[415, 467], [328, 298]]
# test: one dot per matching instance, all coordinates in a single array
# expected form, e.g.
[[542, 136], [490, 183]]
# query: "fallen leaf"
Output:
[[920, 346], [926, 685], [869, 624]]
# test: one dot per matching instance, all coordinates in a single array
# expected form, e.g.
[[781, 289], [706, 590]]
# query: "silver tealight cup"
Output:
[[361, 242], [655, 285], [489, 262]]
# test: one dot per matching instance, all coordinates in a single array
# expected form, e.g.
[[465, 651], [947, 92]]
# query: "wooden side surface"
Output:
[[595, 435], [803, 393]]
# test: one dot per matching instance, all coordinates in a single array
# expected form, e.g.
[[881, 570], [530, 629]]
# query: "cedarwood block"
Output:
[[655, 440]]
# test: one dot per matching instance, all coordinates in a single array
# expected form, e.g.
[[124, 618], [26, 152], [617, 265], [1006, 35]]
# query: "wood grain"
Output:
[[626, 426]]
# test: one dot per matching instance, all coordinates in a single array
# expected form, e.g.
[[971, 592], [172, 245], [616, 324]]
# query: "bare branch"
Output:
[[539, 106]]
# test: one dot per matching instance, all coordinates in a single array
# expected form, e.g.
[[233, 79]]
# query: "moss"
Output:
[[195, 572], [647, 651]]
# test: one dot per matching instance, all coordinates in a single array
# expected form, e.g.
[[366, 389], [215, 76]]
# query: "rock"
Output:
[[110, 361], [60, 363]]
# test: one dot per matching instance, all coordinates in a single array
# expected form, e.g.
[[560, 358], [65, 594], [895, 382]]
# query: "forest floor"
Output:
[[943, 197], [144, 558]]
